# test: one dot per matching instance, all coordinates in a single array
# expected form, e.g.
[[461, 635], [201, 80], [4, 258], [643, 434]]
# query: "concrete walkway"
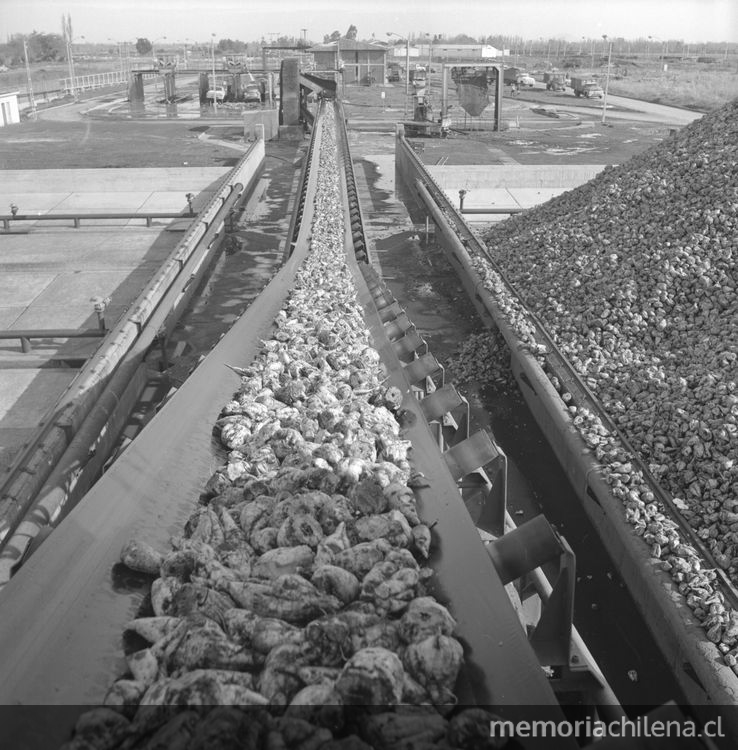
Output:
[[50, 271]]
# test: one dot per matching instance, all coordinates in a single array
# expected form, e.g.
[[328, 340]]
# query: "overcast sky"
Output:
[[248, 20]]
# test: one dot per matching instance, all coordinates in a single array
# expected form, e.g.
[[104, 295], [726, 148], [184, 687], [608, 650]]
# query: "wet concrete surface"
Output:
[[421, 278]]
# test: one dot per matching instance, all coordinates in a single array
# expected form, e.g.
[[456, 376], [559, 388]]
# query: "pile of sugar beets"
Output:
[[292, 612], [634, 275]]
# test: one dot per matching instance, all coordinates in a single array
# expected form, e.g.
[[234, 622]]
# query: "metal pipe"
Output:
[[492, 210], [77, 217], [91, 446]]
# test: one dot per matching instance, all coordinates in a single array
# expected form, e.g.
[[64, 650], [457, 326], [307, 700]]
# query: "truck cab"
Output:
[[587, 87], [555, 81], [419, 77], [594, 91]]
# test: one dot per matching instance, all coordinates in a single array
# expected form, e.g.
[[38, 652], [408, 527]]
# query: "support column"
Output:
[[170, 91], [290, 93], [203, 88], [135, 88]]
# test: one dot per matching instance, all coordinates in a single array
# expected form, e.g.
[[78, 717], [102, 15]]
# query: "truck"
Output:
[[587, 87], [418, 77], [555, 81], [518, 76], [511, 75]]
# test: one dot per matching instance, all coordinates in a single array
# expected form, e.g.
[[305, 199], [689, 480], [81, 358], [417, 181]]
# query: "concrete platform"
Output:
[[512, 186], [501, 198], [50, 271]]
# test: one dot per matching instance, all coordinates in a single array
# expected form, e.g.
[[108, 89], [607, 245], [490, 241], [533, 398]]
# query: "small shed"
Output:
[[9, 111], [361, 62]]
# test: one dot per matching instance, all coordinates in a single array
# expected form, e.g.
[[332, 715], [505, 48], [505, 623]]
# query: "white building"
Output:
[[443, 51], [9, 112]]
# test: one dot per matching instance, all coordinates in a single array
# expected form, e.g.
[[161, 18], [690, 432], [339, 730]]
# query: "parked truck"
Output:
[[518, 76], [511, 75], [418, 77], [393, 72], [587, 87], [555, 81]]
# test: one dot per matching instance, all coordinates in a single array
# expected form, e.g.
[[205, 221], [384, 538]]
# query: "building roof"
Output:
[[349, 45]]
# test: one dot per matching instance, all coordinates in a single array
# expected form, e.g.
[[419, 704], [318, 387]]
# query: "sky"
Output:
[[693, 21]]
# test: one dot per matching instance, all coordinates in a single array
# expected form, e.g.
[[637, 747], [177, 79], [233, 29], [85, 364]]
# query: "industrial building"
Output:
[[361, 62]]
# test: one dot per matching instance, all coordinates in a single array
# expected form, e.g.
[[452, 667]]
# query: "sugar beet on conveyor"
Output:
[[63, 613]]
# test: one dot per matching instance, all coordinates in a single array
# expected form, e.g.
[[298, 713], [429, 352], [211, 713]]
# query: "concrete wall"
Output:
[[513, 175], [268, 118]]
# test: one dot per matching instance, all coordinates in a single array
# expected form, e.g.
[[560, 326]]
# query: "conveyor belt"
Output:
[[505, 670], [696, 663], [557, 364], [63, 613]]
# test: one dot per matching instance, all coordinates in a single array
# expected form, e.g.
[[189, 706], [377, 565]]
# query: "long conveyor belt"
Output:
[[695, 662], [63, 613], [558, 365]]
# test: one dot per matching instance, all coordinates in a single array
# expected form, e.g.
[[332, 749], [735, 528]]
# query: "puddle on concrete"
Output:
[[187, 106]]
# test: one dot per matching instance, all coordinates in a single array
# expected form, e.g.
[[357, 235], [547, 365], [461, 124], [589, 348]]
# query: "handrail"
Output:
[[77, 217]]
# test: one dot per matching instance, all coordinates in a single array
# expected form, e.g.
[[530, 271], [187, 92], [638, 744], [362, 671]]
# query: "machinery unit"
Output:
[[423, 122]]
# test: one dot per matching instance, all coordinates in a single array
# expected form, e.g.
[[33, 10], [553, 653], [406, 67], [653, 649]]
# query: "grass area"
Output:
[[696, 89], [685, 83], [46, 76]]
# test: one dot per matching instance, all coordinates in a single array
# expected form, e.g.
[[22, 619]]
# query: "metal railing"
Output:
[[97, 80], [76, 218]]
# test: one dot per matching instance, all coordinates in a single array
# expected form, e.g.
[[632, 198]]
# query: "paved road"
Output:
[[618, 108], [622, 107]]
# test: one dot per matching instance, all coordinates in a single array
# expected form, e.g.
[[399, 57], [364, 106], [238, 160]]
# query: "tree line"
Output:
[[45, 47]]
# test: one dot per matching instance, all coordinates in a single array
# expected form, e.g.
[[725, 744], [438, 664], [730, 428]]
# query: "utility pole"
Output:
[[215, 84], [607, 79], [31, 99], [407, 72], [430, 62], [67, 34]]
